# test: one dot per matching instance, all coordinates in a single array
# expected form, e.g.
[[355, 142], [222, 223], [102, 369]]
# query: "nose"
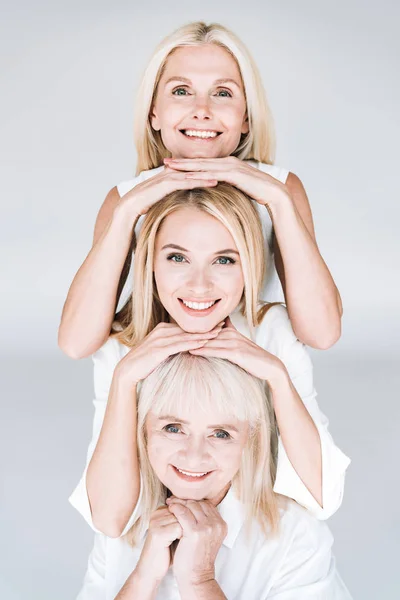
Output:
[[202, 108], [196, 455], [199, 282]]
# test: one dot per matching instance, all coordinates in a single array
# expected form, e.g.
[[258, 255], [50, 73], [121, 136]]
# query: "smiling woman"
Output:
[[207, 521]]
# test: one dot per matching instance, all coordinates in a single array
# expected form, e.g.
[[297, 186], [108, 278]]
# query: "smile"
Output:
[[199, 308], [200, 134], [188, 476]]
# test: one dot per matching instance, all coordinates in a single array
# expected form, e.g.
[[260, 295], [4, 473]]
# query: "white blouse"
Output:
[[272, 291], [296, 565], [276, 335]]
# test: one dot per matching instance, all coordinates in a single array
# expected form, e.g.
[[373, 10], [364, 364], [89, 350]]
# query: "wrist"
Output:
[[140, 585], [207, 588], [278, 203], [123, 380], [125, 214], [278, 377]]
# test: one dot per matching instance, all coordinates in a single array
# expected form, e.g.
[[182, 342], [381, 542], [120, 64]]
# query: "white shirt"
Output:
[[296, 565], [272, 291], [274, 334]]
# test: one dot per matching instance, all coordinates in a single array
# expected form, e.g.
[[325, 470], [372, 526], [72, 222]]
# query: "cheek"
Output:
[[159, 449], [229, 457]]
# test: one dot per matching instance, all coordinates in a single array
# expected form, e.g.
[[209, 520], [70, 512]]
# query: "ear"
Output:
[[245, 124], [154, 120]]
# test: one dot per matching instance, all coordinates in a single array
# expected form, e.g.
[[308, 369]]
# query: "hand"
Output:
[[147, 193], [238, 349], [165, 340], [263, 188], [155, 559], [203, 531]]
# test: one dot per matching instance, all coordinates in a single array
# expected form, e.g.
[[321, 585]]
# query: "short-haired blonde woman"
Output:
[[199, 265], [207, 524], [202, 118]]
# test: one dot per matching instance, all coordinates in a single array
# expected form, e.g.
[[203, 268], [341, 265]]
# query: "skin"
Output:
[[202, 89], [199, 271], [202, 439]]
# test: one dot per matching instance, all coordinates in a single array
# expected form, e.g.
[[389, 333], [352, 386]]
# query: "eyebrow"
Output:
[[176, 247], [174, 419], [216, 82]]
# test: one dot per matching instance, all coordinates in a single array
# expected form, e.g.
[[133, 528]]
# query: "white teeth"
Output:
[[198, 305], [200, 134], [192, 474]]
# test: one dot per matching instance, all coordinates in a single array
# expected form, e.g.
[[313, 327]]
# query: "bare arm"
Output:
[[113, 479], [312, 298], [298, 432], [90, 305], [136, 587]]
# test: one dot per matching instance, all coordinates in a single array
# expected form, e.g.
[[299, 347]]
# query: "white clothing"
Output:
[[274, 334], [272, 291], [296, 565]]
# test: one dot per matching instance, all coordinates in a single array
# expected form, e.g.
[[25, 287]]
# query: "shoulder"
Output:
[[126, 186], [275, 334], [275, 324], [279, 173], [105, 359], [303, 531], [112, 349]]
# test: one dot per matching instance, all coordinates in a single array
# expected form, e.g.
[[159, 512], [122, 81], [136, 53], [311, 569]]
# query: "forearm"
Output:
[[298, 433], [90, 305], [206, 590], [312, 298], [137, 587], [113, 479]]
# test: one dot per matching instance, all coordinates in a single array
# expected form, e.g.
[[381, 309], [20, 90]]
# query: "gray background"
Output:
[[69, 74]]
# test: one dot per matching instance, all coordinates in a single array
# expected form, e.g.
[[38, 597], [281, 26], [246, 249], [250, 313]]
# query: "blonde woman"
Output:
[[220, 531], [200, 264], [201, 118]]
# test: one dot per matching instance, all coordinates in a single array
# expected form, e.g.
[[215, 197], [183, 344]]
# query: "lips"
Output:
[[198, 309], [191, 476], [200, 134]]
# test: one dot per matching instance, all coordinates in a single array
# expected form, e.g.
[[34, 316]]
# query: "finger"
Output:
[[185, 517], [172, 532], [170, 329], [215, 352], [174, 500], [196, 508]]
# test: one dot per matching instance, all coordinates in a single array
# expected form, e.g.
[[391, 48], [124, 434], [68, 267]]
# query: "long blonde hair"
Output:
[[257, 144], [180, 381], [236, 211]]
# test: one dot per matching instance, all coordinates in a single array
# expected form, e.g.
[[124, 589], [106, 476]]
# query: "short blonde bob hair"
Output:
[[179, 382], [237, 212], [257, 144]]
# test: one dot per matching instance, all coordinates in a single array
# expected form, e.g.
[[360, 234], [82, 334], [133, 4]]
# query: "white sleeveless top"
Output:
[[272, 291]]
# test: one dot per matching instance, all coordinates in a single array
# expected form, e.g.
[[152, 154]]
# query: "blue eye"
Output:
[[177, 91], [227, 260], [179, 258], [171, 428], [222, 435], [226, 93]]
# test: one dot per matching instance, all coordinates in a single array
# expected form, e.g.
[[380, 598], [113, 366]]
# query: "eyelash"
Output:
[[231, 260], [185, 90], [227, 436]]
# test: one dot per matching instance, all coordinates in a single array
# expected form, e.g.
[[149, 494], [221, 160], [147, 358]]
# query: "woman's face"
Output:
[[200, 104], [197, 270], [197, 453]]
